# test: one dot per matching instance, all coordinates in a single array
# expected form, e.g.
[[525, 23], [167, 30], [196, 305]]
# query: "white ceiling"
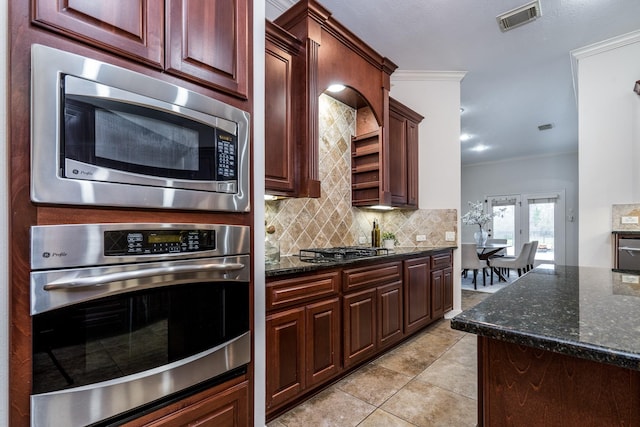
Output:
[[515, 81]]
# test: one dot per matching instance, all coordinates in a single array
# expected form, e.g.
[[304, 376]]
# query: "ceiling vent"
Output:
[[519, 16], [545, 127]]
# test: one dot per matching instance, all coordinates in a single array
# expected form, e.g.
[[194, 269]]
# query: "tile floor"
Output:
[[429, 380]]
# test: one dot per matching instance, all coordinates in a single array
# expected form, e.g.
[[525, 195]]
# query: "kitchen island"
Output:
[[560, 346]]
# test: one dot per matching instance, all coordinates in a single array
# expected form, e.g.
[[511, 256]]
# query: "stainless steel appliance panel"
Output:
[[50, 66], [629, 254]]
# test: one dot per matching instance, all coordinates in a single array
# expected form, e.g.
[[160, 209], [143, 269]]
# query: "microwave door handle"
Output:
[[84, 282]]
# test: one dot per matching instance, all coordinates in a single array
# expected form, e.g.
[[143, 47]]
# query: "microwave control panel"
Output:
[[147, 242], [226, 151]]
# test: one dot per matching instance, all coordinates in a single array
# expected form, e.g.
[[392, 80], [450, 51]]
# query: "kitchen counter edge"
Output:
[[293, 265]]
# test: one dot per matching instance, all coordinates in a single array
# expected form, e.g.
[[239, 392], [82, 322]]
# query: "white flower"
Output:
[[476, 215]]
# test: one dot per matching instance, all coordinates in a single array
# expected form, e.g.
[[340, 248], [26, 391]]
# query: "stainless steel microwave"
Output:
[[104, 135]]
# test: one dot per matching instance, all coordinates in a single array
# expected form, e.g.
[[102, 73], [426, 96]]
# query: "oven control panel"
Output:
[[156, 242]]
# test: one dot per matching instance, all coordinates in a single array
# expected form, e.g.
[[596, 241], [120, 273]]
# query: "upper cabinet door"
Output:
[[130, 28], [207, 41]]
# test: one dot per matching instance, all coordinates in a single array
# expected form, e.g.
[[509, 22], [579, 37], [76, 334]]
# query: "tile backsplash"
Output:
[[629, 212], [331, 220]]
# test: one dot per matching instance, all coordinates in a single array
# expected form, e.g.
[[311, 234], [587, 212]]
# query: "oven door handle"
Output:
[[105, 279]]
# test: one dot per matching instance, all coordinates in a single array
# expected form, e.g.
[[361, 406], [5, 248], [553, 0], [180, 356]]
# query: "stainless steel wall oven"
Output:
[[104, 135], [126, 317]]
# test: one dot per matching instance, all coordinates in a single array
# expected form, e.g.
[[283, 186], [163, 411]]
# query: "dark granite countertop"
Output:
[[293, 264], [587, 312]]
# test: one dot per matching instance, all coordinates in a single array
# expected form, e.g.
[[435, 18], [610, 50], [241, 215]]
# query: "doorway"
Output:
[[525, 217]]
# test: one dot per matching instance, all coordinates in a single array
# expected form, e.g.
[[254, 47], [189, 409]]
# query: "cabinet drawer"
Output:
[[440, 261], [298, 290], [371, 275]]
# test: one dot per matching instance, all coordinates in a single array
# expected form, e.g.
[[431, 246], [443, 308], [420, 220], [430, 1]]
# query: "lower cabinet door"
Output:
[[389, 314], [437, 294], [359, 313], [285, 355], [447, 274], [417, 294], [322, 341]]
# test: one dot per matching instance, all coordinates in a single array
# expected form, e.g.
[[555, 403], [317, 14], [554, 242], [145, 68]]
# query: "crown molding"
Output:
[[597, 48], [422, 75]]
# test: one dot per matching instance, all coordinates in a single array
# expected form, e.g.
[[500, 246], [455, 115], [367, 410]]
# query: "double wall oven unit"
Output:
[[107, 136], [129, 317]]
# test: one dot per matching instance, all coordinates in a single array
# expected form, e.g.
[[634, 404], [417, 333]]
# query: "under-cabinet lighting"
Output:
[[269, 197], [334, 88], [382, 207]]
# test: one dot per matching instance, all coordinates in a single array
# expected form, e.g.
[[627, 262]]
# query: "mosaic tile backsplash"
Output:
[[331, 220]]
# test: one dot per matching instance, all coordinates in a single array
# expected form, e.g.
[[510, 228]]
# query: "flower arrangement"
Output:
[[476, 215]]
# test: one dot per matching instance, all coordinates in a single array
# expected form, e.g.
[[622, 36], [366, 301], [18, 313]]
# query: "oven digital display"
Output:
[[165, 238], [136, 242]]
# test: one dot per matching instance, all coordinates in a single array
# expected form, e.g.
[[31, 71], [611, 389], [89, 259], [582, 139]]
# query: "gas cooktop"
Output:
[[339, 253]]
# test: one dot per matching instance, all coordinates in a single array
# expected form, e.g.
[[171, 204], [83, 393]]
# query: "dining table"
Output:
[[489, 250]]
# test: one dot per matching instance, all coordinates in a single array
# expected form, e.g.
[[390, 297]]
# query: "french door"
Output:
[[526, 217], [506, 222]]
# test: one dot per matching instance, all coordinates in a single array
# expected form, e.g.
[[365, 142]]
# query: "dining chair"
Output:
[[502, 252], [532, 255], [470, 261], [518, 263]]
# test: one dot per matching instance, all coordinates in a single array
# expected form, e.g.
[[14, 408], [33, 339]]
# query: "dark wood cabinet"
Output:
[[417, 294], [224, 405], [403, 155], [359, 329], [280, 145], [321, 325], [206, 41], [322, 341], [441, 284], [285, 355], [303, 339], [372, 310], [331, 53], [130, 28], [390, 326]]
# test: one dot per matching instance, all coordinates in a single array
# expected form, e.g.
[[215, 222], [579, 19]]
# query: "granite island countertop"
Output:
[[293, 264], [586, 312]]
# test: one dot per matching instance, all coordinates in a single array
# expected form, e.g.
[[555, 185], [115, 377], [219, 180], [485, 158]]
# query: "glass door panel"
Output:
[[506, 222]]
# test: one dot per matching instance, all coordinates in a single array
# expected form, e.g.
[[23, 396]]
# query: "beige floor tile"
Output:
[[329, 408], [456, 370], [373, 383], [426, 405], [382, 418]]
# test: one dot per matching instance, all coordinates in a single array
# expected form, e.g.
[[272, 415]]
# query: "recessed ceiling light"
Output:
[[465, 137], [480, 147], [461, 110], [334, 88]]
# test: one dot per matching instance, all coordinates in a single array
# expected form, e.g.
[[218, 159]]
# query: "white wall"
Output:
[[527, 176], [436, 96], [4, 219], [608, 139]]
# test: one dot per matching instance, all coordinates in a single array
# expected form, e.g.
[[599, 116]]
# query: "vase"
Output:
[[480, 237], [271, 250]]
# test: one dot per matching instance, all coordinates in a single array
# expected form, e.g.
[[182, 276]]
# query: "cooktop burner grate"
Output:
[[340, 253]]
